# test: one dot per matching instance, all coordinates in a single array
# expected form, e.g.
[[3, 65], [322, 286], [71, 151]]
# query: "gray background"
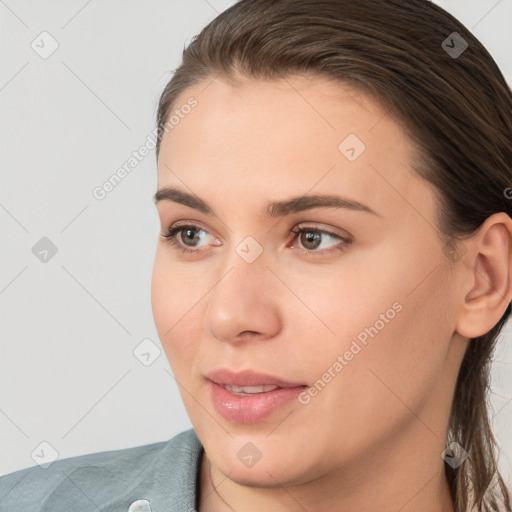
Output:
[[68, 373]]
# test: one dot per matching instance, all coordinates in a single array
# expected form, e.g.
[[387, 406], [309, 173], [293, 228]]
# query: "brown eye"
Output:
[[311, 238], [188, 239]]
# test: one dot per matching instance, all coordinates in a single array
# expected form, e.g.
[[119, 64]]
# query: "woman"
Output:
[[333, 271]]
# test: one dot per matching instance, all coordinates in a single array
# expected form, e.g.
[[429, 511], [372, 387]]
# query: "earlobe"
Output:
[[487, 272]]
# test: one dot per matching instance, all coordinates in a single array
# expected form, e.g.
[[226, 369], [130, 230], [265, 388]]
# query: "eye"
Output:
[[180, 236], [311, 238]]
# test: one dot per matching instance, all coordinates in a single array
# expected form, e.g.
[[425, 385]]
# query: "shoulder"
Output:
[[163, 473]]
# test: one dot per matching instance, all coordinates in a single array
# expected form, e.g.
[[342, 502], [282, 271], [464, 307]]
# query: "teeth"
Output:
[[249, 390]]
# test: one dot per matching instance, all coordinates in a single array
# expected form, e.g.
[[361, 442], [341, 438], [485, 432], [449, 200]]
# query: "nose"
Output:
[[244, 304]]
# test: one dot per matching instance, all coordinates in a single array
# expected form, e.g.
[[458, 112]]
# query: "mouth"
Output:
[[249, 390], [250, 397]]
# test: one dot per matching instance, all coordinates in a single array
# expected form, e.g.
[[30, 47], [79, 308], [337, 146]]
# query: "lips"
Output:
[[249, 378], [249, 396]]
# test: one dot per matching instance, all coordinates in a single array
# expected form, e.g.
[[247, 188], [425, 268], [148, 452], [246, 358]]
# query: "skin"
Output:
[[372, 438]]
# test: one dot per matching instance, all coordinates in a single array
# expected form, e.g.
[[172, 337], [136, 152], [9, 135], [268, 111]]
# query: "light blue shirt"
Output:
[[158, 477]]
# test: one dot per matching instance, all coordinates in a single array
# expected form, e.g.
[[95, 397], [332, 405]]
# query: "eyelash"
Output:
[[171, 238]]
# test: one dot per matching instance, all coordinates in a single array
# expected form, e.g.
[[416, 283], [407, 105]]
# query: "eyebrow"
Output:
[[273, 208]]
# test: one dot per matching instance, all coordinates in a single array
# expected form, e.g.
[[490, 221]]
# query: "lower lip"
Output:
[[253, 408]]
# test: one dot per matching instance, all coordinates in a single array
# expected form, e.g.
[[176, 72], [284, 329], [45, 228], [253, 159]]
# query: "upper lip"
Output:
[[248, 378]]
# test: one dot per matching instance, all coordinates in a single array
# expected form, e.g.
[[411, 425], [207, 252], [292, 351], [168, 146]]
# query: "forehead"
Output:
[[323, 105], [287, 135]]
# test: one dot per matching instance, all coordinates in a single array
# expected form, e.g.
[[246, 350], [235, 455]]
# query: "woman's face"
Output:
[[364, 320]]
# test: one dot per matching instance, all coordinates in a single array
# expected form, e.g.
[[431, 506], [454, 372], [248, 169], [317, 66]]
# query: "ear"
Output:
[[486, 273]]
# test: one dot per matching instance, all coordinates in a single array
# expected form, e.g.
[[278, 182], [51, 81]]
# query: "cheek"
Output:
[[173, 310], [399, 365], [387, 342]]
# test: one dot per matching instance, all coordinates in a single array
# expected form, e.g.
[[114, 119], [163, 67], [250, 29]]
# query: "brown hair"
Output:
[[457, 108]]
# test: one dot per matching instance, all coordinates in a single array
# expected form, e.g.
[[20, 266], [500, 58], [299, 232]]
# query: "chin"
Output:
[[267, 477], [272, 470]]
